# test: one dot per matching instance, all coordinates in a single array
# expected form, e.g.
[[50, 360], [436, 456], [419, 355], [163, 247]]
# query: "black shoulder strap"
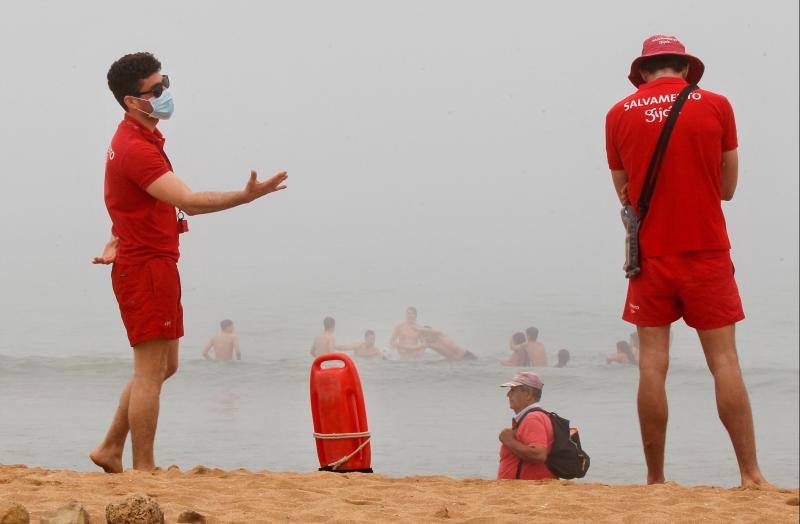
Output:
[[516, 425], [529, 412], [658, 155]]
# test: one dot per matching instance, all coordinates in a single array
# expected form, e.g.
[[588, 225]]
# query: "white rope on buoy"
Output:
[[334, 436]]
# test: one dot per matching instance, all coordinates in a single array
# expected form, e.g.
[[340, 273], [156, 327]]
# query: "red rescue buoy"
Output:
[[340, 419]]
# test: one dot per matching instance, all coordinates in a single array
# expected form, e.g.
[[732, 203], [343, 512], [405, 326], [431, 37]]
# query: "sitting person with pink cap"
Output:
[[527, 443]]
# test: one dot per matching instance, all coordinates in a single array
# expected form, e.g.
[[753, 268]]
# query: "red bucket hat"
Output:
[[666, 45]]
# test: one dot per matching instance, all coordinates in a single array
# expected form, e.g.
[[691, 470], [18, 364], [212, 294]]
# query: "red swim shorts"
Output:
[[149, 298], [698, 286]]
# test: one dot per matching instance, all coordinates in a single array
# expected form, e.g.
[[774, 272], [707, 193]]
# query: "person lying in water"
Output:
[[365, 349], [444, 345], [224, 344], [519, 352], [624, 355]]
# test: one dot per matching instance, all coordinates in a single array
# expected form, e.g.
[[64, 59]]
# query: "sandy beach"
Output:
[[244, 496]]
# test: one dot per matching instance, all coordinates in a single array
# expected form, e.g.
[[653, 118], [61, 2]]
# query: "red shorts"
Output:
[[698, 286], [149, 298]]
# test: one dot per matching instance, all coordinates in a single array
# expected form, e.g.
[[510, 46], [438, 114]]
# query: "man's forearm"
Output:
[[729, 174], [620, 180], [211, 201], [171, 189], [532, 454]]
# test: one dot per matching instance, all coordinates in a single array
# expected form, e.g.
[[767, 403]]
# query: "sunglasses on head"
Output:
[[158, 88]]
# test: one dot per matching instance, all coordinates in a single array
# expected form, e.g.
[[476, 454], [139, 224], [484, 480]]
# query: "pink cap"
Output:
[[524, 378]]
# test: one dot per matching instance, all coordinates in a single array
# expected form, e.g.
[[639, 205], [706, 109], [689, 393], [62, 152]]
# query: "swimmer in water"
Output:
[[224, 344], [366, 349], [444, 345], [536, 353], [325, 342], [519, 354], [406, 339], [624, 355], [563, 358]]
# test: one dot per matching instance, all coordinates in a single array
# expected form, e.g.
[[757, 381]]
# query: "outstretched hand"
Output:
[[255, 189]]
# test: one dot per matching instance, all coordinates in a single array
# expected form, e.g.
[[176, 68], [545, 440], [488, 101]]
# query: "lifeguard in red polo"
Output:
[[148, 204], [686, 268]]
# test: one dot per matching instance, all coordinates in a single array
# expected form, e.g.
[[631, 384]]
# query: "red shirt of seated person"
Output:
[[525, 446]]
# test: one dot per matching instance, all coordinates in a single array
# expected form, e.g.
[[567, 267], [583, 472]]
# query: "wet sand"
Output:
[[244, 497]]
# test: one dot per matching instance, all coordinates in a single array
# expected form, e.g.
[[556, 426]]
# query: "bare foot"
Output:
[[110, 462], [756, 480], [654, 480], [762, 484]]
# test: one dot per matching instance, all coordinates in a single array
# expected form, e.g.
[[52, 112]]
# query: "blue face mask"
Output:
[[163, 106]]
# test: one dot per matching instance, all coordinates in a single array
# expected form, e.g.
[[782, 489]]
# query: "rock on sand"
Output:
[[13, 514], [136, 509], [72, 513], [191, 517]]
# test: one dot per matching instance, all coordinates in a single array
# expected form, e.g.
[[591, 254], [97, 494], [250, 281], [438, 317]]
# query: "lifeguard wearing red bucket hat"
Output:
[[665, 45]]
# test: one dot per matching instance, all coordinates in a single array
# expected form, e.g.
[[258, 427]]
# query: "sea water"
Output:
[[60, 382]]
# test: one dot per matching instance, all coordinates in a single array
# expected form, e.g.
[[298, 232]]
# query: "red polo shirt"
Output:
[[534, 430], [686, 211], [146, 227]]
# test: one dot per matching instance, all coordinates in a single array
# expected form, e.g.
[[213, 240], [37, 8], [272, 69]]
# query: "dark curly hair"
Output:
[[125, 75], [655, 63]]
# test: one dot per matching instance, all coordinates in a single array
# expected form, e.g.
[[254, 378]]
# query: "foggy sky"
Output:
[[450, 144]]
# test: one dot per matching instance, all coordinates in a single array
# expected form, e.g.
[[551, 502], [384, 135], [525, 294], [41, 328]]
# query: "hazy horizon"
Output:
[[432, 149]]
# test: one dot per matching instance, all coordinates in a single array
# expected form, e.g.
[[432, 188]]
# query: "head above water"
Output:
[[226, 325], [518, 337], [411, 315], [532, 333], [625, 349], [329, 323], [135, 80], [563, 358], [369, 337]]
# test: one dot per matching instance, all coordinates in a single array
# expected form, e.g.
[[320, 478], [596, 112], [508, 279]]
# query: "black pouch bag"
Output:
[[567, 460], [630, 219]]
